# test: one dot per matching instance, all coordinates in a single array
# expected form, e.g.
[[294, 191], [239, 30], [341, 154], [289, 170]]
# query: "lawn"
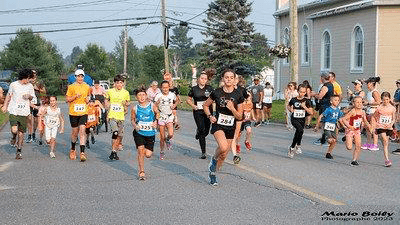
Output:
[[3, 118]]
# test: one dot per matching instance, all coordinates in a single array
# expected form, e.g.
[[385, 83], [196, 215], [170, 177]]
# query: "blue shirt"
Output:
[[331, 115], [396, 97], [145, 116]]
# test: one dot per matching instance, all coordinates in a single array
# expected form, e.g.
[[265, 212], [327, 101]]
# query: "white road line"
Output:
[[3, 188], [279, 181], [5, 166]]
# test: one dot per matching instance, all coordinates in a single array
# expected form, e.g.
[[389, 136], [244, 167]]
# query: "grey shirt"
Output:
[[255, 91]]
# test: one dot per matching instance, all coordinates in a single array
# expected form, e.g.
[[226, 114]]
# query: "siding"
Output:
[[389, 46]]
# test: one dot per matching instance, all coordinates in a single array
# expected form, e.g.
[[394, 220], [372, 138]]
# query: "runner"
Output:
[[353, 121], [308, 96], [300, 107], [229, 109], [144, 122], [373, 101], [165, 102], [196, 98], [245, 124], [40, 91], [330, 117], [175, 90], [383, 120], [77, 96], [267, 102], [92, 121], [290, 92], [153, 91], [257, 94], [45, 102], [100, 95], [19, 97], [358, 91], [54, 122], [117, 100]]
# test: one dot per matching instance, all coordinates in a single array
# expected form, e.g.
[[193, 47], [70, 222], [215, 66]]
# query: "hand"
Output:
[[78, 95], [194, 107], [351, 128], [316, 129], [154, 124], [213, 119], [61, 130], [4, 109], [303, 104], [230, 105], [26, 96]]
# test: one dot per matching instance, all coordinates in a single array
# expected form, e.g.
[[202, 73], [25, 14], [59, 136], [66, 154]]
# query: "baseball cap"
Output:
[[79, 72], [398, 81], [256, 77], [357, 82]]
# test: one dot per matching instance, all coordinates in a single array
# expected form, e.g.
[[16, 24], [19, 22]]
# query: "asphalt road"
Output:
[[267, 187]]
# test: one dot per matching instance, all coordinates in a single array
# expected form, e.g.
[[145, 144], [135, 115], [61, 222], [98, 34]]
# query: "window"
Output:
[[305, 47], [326, 51], [286, 41], [357, 48]]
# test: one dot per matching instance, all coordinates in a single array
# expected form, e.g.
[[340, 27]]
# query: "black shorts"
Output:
[[388, 132], [229, 132], [147, 141], [245, 125], [34, 112], [267, 105], [77, 120], [254, 106]]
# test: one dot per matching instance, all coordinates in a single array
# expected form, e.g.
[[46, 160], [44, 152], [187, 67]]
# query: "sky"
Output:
[[37, 14]]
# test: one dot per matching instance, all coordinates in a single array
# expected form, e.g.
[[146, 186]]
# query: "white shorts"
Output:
[[50, 133], [165, 119]]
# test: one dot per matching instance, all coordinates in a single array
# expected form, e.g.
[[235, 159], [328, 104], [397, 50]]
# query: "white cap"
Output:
[[79, 72]]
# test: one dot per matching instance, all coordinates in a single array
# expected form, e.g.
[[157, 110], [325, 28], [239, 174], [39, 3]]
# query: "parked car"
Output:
[[5, 86]]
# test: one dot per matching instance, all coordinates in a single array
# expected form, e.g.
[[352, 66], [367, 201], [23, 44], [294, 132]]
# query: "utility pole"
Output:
[[125, 49], [294, 43], [164, 26]]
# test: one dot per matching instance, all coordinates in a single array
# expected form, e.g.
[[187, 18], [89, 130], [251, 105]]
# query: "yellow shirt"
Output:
[[79, 106], [337, 90], [116, 98]]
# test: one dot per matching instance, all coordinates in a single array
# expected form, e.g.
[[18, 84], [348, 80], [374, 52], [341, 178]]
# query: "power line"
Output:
[[197, 15], [78, 22], [86, 28]]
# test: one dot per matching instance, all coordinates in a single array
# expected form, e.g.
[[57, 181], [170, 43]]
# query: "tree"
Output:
[[29, 50], [182, 48], [133, 58], [259, 51], [96, 62], [70, 60], [228, 34], [153, 64]]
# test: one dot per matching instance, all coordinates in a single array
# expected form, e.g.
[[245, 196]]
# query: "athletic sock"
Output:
[[82, 148], [73, 145]]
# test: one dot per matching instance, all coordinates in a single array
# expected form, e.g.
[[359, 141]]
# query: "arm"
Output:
[[133, 118], [322, 93], [377, 99], [318, 122], [237, 113], [6, 102], [189, 101], [62, 123], [206, 108]]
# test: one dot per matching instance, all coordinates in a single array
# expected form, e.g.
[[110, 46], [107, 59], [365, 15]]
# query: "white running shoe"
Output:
[[298, 149], [52, 155]]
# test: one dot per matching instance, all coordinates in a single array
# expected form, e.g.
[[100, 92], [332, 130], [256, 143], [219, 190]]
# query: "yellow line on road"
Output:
[[281, 182]]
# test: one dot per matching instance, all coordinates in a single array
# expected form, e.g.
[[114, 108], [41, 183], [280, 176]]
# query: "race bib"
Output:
[[91, 118], [258, 106], [79, 108], [299, 113], [52, 122], [330, 126], [163, 117], [268, 99], [200, 105], [145, 126], [370, 110], [247, 115], [225, 120], [116, 108], [385, 120], [357, 123]]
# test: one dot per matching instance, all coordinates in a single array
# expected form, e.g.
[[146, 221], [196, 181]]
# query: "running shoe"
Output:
[[113, 155], [373, 148], [29, 139], [72, 154], [344, 138], [328, 156], [298, 149], [203, 156], [142, 176], [52, 155], [236, 159], [258, 124], [93, 140], [317, 142], [354, 163], [308, 126], [248, 145], [120, 147], [238, 149], [177, 126], [40, 142], [18, 155], [212, 167], [162, 155], [396, 152], [169, 144], [213, 179], [290, 152], [83, 157], [365, 146], [388, 163]]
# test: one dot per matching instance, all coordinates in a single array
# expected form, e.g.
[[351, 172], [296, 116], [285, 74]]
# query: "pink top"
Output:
[[151, 94], [384, 117], [99, 91]]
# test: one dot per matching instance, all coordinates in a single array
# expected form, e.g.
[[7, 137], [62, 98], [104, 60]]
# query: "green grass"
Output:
[[277, 111], [3, 118]]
